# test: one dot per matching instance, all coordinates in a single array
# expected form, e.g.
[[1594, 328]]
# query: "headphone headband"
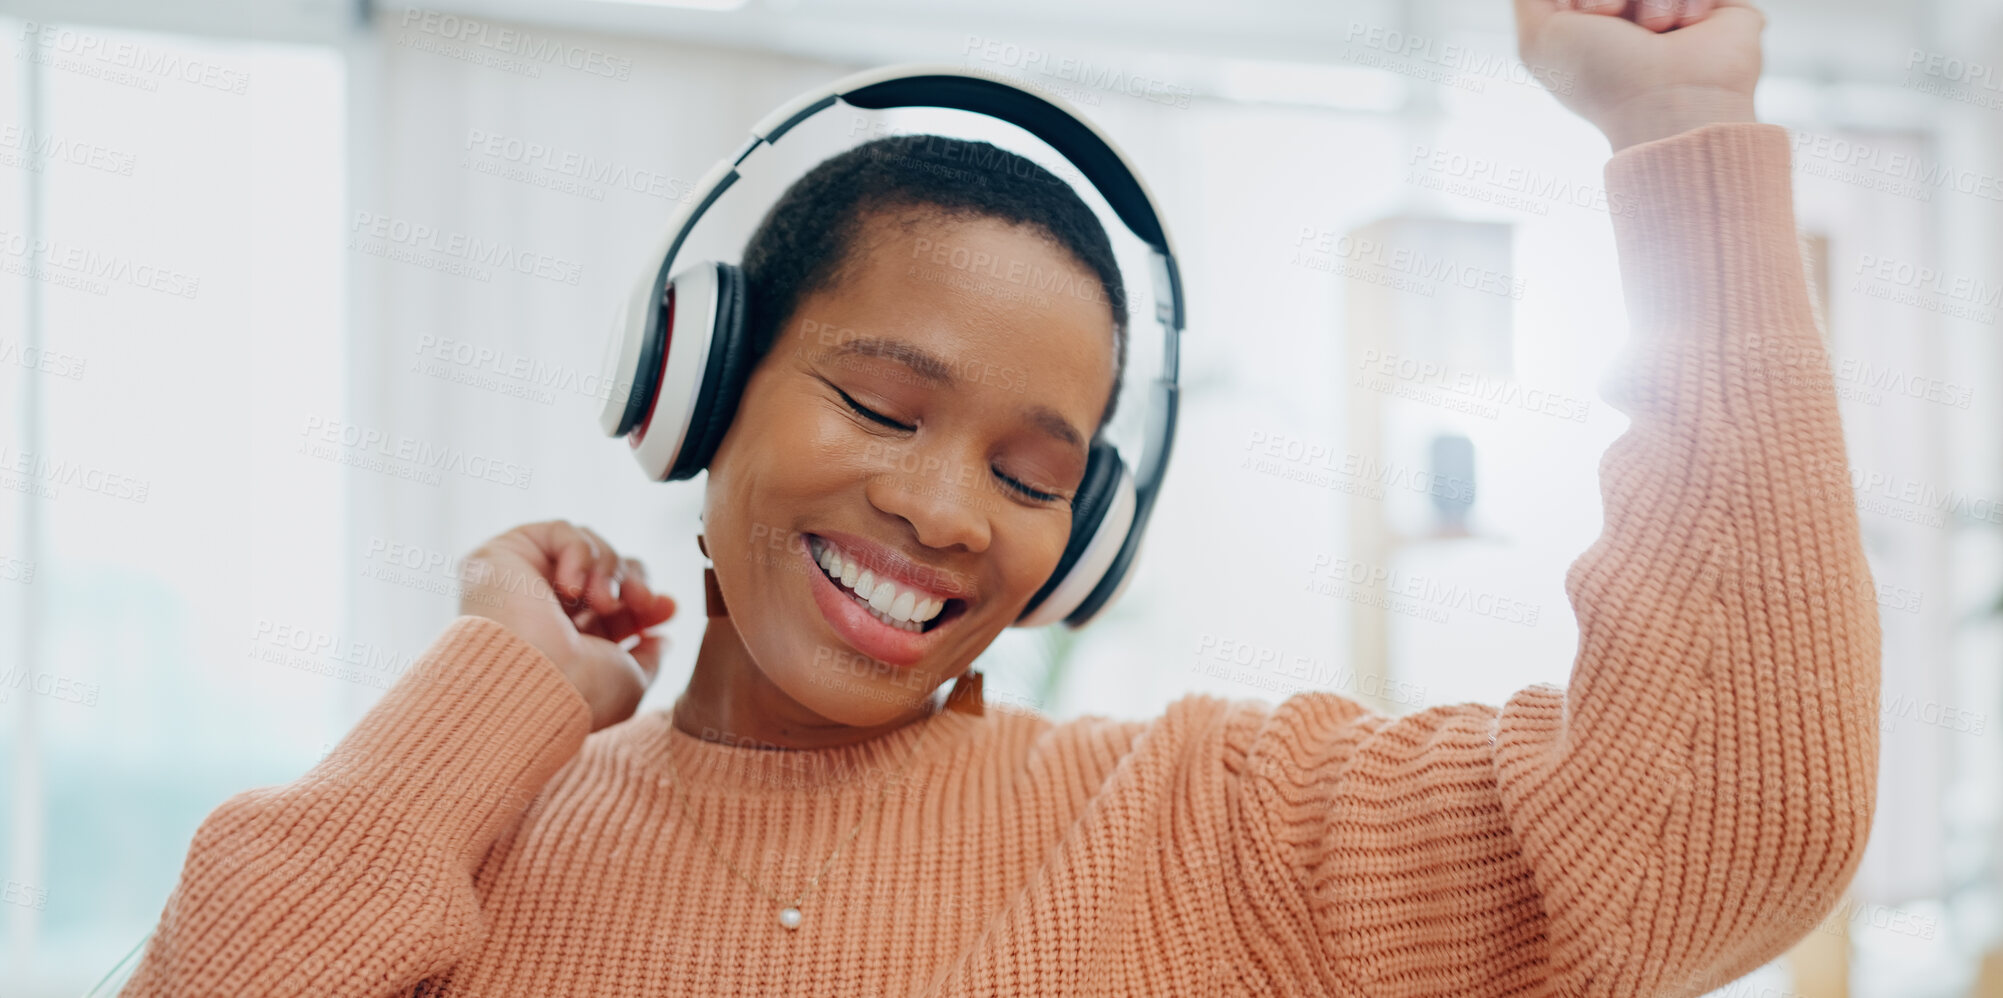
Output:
[[921, 85], [1097, 159]]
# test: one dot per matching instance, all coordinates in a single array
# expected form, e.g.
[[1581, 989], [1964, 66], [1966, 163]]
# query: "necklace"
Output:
[[789, 911]]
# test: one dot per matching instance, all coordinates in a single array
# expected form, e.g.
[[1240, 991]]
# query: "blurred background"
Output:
[[207, 275]]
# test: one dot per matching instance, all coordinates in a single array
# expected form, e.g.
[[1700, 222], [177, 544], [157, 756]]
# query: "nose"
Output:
[[938, 493]]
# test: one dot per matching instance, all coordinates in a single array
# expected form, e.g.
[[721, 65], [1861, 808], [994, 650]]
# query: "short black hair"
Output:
[[804, 242]]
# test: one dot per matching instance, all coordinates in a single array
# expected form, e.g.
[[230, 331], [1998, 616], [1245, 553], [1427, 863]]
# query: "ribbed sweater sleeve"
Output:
[[357, 878], [1700, 793]]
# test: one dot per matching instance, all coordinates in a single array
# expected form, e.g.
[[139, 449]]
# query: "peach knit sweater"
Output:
[[1695, 800]]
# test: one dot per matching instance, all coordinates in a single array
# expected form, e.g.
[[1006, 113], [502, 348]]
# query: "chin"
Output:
[[845, 687]]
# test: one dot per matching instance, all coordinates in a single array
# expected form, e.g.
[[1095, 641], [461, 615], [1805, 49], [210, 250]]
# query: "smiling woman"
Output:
[[503, 822], [873, 439]]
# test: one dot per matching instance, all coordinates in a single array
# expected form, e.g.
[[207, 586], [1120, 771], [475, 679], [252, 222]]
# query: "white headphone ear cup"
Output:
[[1113, 597], [687, 327], [721, 383], [619, 370], [1089, 559]]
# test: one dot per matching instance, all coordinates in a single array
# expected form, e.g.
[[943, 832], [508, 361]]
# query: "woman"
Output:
[[502, 824]]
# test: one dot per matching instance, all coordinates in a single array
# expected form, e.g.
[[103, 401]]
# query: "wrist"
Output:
[[527, 632], [1669, 111]]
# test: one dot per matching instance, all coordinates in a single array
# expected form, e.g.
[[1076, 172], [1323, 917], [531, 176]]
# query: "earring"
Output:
[[965, 695], [712, 594]]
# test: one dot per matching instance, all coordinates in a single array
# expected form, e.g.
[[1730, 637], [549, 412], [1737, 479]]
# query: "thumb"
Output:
[[614, 663], [647, 654], [612, 681]]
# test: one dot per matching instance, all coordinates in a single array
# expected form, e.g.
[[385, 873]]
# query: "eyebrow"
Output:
[[938, 372]]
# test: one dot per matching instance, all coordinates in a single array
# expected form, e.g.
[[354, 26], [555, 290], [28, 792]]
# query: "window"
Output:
[[173, 302]]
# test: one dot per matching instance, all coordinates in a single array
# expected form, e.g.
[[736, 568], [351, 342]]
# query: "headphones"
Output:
[[678, 356]]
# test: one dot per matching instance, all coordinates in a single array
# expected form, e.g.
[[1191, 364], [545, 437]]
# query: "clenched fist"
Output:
[[1646, 69], [563, 589]]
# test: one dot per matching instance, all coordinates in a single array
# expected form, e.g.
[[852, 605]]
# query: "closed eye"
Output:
[[1026, 490], [877, 417], [871, 414]]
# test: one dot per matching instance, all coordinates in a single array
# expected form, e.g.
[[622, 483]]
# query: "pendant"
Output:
[[789, 917]]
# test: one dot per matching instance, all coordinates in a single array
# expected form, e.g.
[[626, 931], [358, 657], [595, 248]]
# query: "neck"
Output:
[[729, 698]]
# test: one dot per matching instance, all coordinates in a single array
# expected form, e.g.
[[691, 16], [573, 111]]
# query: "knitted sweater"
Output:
[[1692, 803]]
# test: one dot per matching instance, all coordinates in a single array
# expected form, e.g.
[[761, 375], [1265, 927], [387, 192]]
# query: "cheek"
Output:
[[1043, 547], [830, 436], [791, 446], [822, 453]]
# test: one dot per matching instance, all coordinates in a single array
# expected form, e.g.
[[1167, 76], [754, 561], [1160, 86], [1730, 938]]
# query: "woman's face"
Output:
[[990, 349]]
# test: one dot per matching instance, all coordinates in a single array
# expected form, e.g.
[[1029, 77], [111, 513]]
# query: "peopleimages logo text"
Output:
[[320, 435], [1026, 59], [145, 61], [420, 238], [524, 45]]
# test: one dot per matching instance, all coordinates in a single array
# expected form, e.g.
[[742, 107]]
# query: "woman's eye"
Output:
[[877, 417], [871, 414], [1026, 490]]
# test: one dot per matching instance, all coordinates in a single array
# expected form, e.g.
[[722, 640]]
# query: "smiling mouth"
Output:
[[892, 603]]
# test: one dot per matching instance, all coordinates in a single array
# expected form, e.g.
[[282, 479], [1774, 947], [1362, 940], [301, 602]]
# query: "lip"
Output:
[[861, 630]]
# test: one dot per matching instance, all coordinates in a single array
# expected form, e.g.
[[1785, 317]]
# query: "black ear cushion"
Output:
[[1095, 496], [723, 377]]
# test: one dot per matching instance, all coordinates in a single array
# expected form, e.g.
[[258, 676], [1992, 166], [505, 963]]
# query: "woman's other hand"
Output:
[[566, 591], [1642, 70]]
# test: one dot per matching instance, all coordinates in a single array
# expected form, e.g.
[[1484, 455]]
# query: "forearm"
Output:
[[356, 879]]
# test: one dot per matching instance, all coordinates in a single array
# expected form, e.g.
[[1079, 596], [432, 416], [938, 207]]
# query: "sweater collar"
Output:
[[741, 768]]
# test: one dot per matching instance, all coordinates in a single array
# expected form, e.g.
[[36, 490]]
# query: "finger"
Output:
[[649, 606], [619, 625], [602, 591], [1613, 8], [1694, 11], [633, 588], [616, 626], [1656, 15], [639, 597], [573, 560], [606, 573]]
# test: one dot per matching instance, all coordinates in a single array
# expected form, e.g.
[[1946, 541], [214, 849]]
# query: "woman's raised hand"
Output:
[[1641, 70], [563, 589]]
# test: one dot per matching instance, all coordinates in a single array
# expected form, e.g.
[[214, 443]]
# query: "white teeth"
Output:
[[885, 594], [886, 599], [902, 625]]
